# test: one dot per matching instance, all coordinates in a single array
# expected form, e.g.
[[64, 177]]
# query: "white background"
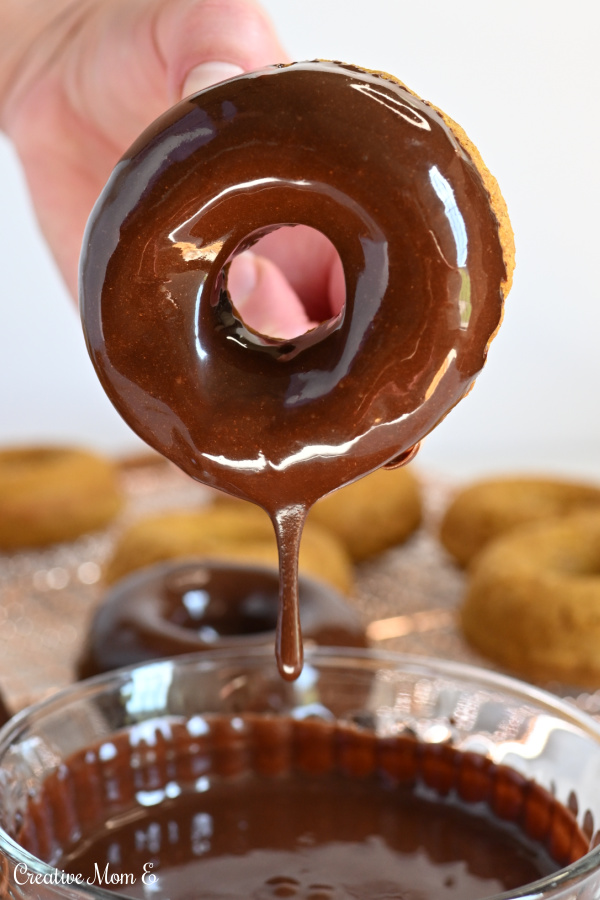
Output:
[[522, 77]]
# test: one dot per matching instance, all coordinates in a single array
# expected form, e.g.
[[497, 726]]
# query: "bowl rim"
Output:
[[332, 657]]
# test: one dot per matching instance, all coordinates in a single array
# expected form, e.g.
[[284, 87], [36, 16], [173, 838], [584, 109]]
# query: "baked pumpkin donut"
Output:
[[533, 600], [243, 533], [187, 607], [53, 494], [489, 508], [369, 516]]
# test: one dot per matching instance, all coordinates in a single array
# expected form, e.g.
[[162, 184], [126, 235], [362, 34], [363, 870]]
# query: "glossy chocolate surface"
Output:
[[176, 608], [281, 423], [252, 806]]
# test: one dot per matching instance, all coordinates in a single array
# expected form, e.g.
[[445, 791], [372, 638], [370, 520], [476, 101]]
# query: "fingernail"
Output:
[[242, 278], [208, 73]]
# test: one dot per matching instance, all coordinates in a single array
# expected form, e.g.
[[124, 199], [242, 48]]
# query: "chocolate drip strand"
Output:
[[288, 524]]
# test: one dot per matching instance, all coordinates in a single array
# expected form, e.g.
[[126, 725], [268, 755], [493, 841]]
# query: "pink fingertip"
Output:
[[207, 74]]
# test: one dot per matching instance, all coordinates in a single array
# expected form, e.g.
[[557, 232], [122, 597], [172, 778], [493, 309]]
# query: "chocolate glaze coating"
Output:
[[176, 608], [363, 160]]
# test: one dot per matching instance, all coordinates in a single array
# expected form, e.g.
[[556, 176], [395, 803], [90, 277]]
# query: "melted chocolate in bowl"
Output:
[[253, 806], [281, 423], [372, 776]]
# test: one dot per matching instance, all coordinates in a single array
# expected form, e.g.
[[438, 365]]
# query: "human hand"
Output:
[[80, 79]]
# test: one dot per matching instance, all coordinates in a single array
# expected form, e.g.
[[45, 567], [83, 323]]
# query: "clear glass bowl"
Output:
[[137, 712]]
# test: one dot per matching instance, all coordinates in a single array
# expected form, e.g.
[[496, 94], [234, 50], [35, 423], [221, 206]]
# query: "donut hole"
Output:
[[214, 605], [290, 282]]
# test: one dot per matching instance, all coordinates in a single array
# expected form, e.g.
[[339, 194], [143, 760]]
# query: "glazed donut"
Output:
[[52, 494], [489, 508], [425, 244], [533, 600], [240, 534], [175, 608], [427, 252]]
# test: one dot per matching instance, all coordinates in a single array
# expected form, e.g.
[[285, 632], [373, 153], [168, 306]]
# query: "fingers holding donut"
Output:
[[83, 96], [203, 41], [89, 77], [265, 299], [291, 282]]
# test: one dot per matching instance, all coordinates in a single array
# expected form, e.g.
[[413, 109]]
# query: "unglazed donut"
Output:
[[487, 509], [533, 600], [373, 514], [368, 516], [243, 533], [175, 608], [52, 494], [427, 253]]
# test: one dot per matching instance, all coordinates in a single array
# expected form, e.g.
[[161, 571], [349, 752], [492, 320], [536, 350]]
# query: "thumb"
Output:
[[205, 41], [264, 299]]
